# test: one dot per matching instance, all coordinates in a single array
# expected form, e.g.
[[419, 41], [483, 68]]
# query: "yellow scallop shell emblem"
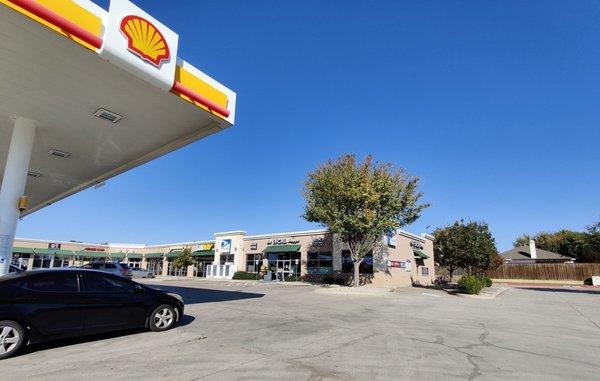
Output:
[[145, 40]]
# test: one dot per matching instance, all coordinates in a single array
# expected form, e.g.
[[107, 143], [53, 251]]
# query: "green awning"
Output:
[[154, 255], [173, 254], [24, 250], [117, 255], [420, 255], [91, 254], [282, 249], [203, 253], [58, 252], [134, 255]]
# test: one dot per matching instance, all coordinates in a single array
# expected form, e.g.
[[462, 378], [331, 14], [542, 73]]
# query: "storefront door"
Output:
[[288, 262], [200, 267], [155, 266]]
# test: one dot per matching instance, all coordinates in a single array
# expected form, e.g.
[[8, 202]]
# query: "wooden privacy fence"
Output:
[[546, 271]]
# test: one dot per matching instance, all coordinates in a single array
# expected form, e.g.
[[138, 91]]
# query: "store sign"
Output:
[[400, 264], [391, 239], [318, 241], [94, 249], [254, 246], [226, 246], [140, 44], [54, 246], [283, 241], [416, 245], [206, 247]]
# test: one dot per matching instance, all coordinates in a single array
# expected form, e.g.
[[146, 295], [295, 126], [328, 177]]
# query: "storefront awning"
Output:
[[282, 249], [24, 250], [174, 254], [59, 252], [420, 255], [91, 254], [154, 255], [203, 253], [134, 255]]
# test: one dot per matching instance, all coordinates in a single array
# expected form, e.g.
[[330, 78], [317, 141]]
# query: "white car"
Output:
[[120, 269], [141, 273]]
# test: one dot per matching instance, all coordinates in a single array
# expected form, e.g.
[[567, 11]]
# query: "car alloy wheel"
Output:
[[163, 318], [11, 338]]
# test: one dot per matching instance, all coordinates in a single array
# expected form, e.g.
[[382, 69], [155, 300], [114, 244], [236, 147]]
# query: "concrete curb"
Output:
[[490, 293]]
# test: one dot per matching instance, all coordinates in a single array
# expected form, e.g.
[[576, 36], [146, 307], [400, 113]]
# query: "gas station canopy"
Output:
[[105, 92]]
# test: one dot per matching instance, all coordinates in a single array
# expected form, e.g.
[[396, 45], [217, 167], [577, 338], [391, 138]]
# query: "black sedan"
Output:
[[44, 305]]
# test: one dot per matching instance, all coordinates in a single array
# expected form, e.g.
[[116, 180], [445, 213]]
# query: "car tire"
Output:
[[163, 317], [12, 338]]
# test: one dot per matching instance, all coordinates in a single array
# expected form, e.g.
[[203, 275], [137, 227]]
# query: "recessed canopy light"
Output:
[[105, 114], [61, 154], [34, 174]]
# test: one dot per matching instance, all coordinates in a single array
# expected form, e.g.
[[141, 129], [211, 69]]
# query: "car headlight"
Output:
[[176, 296]]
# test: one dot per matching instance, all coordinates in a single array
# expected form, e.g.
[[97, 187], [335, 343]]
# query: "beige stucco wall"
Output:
[[399, 277]]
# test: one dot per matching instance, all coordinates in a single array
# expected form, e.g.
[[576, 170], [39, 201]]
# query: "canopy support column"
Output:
[[13, 186]]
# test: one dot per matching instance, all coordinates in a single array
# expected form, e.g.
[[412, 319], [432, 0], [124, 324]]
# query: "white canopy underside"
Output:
[[60, 84]]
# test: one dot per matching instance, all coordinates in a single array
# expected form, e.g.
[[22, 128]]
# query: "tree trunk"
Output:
[[357, 273]]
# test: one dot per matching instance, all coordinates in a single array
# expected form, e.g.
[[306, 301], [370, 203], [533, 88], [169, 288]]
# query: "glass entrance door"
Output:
[[155, 266]]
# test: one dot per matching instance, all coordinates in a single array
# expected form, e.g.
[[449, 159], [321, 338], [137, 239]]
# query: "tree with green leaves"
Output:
[[184, 259], [581, 246], [361, 202], [470, 246]]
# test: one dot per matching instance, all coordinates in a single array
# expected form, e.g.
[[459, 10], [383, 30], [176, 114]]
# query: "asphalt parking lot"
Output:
[[246, 331]]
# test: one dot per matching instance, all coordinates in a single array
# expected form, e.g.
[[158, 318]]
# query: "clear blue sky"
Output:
[[495, 105]]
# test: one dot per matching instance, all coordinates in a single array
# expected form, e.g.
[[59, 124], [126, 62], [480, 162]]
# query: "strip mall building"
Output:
[[404, 259]]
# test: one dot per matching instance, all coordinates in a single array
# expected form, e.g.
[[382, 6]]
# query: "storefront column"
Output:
[[13, 186], [190, 271], [165, 269], [30, 262], [303, 263], [144, 264]]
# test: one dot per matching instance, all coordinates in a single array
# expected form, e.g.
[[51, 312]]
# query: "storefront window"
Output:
[[226, 258], [366, 267], [21, 260], [253, 263], [42, 261], [134, 262], [60, 262], [319, 263]]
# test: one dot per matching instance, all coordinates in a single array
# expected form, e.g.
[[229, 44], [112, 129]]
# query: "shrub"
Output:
[[243, 275], [469, 284], [332, 280], [487, 281]]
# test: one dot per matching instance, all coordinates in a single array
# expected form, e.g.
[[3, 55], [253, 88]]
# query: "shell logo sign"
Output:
[[140, 44], [145, 40]]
